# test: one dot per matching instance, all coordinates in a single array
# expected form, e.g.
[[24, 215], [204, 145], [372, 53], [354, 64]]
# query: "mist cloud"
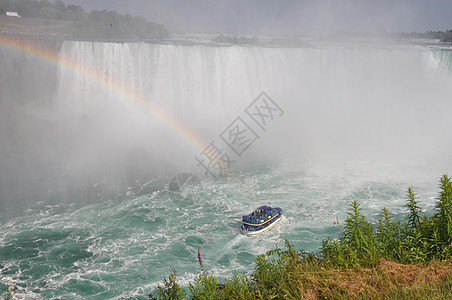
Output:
[[287, 16]]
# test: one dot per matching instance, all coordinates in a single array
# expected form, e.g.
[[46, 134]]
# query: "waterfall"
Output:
[[336, 97], [442, 60]]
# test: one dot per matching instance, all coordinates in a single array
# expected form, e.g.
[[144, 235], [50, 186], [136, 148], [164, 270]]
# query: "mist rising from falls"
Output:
[[352, 101], [341, 103]]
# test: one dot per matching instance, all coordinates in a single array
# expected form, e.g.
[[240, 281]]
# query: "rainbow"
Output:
[[44, 54]]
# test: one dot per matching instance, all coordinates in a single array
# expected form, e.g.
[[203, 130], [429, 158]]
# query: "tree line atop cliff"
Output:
[[443, 36], [95, 24]]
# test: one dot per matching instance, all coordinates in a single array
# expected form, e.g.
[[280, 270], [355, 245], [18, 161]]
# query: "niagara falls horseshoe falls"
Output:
[[147, 148]]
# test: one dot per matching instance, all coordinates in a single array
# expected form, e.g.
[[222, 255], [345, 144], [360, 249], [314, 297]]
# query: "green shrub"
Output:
[[443, 216], [414, 215], [238, 287], [170, 290], [205, 287]]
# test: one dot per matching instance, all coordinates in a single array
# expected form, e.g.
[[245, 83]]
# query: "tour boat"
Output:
[[261, 220]]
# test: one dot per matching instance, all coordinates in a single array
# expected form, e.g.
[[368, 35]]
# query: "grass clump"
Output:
[[394, 260]]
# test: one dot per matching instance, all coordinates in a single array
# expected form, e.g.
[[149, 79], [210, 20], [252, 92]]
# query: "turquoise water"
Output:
[[86, 210], [121, 249]]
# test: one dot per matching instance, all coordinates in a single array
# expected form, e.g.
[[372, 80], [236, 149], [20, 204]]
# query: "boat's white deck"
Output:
[[272, 225]]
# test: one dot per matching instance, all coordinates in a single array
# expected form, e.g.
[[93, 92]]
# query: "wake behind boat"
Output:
[[261, 220]]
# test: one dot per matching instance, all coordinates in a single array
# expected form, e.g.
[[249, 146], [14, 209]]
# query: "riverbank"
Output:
[[36, 30], [290, 274]]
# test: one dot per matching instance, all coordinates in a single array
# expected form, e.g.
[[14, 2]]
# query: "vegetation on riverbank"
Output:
[[443, 36], [78, 24], [394, 260]]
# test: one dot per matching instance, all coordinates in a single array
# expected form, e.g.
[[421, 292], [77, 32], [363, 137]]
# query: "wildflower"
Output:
[[199, 255], [200, 259], [10, 294]]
